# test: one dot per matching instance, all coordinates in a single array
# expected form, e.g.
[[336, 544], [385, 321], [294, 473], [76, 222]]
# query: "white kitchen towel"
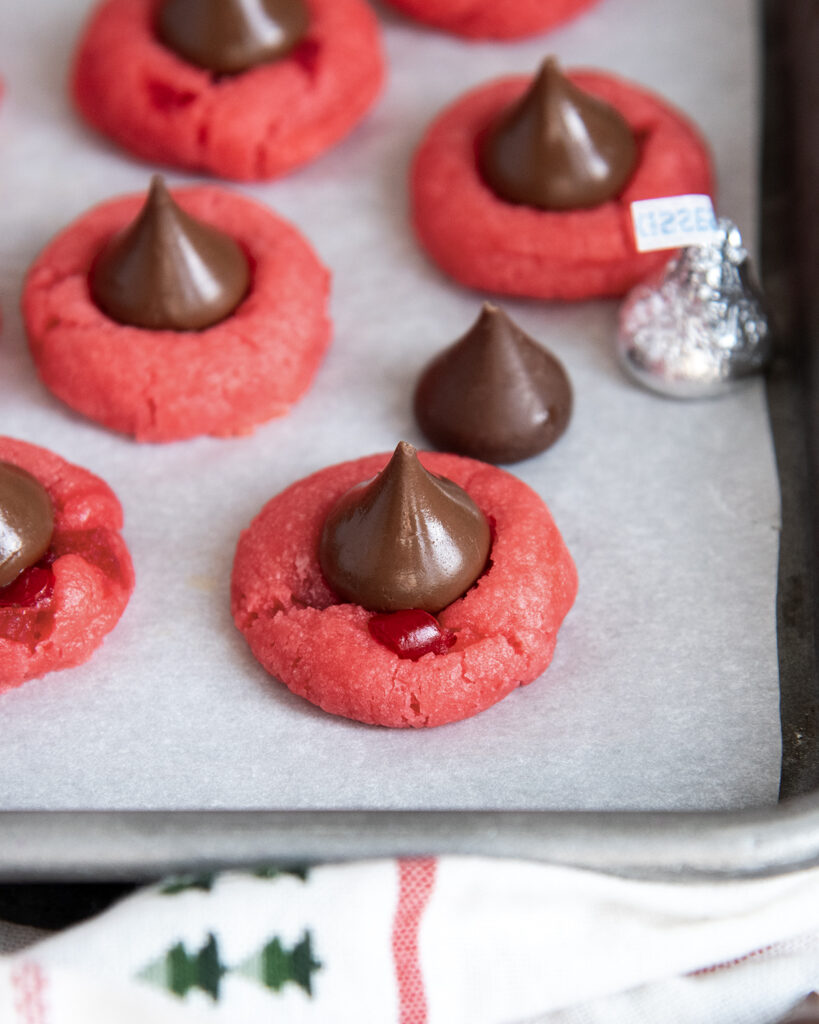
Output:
[[432, 941]]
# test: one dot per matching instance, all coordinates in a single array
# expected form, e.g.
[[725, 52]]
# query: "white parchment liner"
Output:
[[663, 692]]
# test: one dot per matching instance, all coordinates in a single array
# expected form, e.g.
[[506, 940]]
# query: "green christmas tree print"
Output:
[[274, 965], [295, 870], [183, 883], [205, 882], [179, 971]]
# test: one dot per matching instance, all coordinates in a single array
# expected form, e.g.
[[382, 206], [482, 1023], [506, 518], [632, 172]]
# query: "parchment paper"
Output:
[[663, 692]]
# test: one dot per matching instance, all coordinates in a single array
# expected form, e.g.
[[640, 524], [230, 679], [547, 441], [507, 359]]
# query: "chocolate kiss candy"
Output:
[[701, 327], [230, 36], [26, 521], [558, 148], [168, 271], [405, 539], [495, 394]]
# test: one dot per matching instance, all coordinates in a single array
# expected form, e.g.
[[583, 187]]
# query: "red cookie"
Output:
[[488, 243], [93, 576], [258, 124], [488, 19], [170, 385], [506, 625]]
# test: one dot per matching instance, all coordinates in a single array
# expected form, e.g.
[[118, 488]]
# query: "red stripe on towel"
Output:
[[28, 984], [416, 879], [732, 963]]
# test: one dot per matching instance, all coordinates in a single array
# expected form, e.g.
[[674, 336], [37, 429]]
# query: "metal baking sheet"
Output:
[[773, 839]]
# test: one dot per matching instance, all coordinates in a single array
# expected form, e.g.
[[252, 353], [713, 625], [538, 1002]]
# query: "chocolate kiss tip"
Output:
[[550, 68], [157, 199], [404, 467], [169, 271], [495, 328], [405, 449], [490, 313], [158, 190], [405, 539], [558, 147]]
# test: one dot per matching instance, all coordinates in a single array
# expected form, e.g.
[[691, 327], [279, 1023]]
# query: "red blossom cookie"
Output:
[[259, 124], [489, 19], [59, 622], [488, 243], [505, 626], [161, 385]]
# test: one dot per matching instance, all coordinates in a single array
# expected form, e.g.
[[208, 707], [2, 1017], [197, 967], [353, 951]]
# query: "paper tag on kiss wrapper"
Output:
[[673, 222]]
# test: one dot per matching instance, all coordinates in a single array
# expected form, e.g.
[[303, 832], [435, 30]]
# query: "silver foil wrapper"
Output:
[[700, 327]]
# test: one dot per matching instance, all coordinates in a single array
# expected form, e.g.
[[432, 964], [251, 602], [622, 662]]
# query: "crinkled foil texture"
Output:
[[701, 327]]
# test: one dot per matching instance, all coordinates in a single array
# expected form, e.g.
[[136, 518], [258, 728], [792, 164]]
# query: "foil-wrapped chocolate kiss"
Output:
[[701, 327]]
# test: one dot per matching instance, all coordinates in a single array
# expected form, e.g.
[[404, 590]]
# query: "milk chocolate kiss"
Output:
[[231, 36], [168, 271], [26, 521], [495, 394], [558, 148], [405, 539]]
